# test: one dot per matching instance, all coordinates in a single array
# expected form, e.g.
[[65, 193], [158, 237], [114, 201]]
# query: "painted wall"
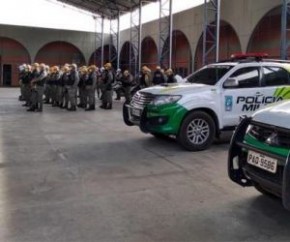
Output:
[[34, 39], [242, 15]]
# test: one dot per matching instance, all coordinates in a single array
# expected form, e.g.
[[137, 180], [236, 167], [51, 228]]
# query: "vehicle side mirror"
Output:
[[231, 82]]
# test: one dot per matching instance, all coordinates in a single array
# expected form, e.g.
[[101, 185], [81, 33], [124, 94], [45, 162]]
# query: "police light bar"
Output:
[[249, 55]]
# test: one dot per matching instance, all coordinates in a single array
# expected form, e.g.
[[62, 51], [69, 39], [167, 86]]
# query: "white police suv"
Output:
[[212, 99]]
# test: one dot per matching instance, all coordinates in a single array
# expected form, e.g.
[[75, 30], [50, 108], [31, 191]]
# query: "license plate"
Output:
[[262, 161], [136, 112]]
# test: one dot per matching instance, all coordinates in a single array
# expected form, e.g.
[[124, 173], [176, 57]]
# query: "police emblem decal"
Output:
[[228, 103]]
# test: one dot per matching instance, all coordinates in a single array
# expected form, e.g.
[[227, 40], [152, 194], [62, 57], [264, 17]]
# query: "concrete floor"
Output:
[[85, 176]]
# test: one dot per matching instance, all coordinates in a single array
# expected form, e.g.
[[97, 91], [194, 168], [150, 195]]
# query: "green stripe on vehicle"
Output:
[[250, 140], [175, 112]]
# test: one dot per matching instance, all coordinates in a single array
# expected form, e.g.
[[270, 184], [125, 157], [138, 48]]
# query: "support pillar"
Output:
[[165, 33], [115, 41], [135, 37], [285, 18], [211, 31]]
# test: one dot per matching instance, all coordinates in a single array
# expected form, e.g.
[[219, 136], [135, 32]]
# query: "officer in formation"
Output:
[[60, 86], [159, 77]]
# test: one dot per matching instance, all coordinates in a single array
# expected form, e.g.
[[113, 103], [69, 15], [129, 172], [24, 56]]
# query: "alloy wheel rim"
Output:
[[198, 131]]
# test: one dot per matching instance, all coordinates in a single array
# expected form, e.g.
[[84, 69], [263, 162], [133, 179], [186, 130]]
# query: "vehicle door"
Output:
[[241, 98], [275, 83]]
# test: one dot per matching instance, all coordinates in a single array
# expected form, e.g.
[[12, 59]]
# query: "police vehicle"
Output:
[[212, 99], [259, 152]]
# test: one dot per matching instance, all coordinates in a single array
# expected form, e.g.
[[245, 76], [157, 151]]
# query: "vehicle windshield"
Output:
[[209, 75]]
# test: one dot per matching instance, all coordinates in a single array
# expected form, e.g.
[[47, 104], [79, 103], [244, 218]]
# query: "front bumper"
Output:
[[244, 174], [165, 119]]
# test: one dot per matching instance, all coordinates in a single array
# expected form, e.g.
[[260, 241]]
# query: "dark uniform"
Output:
[[145, 78], [119, 90], [26, 79], [71, 88], [90, 84], [107, 89], [82, 87], [33, 93], [38, 86], [158, 77], [127, 83], [170, 76], [55, 81]]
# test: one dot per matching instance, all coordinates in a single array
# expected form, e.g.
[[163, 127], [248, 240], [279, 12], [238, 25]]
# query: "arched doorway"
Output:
[[12, 55], [267, 35], [181, 53], [229, 44], [149, 53], [127, 48], [110, 55], [59, 53]]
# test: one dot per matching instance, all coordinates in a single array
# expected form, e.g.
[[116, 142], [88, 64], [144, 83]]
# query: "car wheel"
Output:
[[126, 116], [197, 131]]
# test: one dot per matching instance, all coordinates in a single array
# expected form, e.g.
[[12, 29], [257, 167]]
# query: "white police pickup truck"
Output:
[[212, 100]]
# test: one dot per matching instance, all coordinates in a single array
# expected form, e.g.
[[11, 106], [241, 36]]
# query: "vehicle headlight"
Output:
[[165, 99]]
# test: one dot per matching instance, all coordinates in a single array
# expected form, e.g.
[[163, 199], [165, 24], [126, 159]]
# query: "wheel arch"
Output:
[[209, 112]]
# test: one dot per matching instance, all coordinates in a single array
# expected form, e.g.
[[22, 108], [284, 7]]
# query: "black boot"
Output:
[[109, 106], [103, 106], [31, 109], [90, 108], [73, 108]]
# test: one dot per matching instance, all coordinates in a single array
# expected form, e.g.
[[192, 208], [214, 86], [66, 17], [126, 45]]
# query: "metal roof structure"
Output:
[[107, 8]]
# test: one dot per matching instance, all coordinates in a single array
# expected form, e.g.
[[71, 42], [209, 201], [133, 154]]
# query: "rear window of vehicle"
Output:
[[275, 76]]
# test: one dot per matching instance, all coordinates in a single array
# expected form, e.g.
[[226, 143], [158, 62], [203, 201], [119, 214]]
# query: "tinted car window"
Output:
[[210, 75], [247, 77], [275, 76]]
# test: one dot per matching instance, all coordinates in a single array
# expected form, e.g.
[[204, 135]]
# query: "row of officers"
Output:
[[60, 86]]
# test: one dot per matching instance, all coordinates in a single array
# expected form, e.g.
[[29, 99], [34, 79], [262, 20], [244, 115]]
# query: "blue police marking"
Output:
[[228, 103]]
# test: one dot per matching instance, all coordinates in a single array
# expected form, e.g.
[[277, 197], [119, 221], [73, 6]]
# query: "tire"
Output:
[[126, 116], [197, 131]]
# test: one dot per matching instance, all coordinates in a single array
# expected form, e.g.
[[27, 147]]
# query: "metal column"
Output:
[[211, 31], [135, 37], [115, 40], [102, 41], [285, 18], [165, 32], [99, 40]]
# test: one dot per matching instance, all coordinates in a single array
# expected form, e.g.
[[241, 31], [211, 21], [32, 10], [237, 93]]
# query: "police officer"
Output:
[[55, 81], [127, 83], [71, 85], [26, 79], [61, 87], [38, 86], [33, 94], [119, 84], [82, 86], [145, 77], [170, 76], [90, 83], [107, 81], [48, 85], [22, 72], [158, 76]]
